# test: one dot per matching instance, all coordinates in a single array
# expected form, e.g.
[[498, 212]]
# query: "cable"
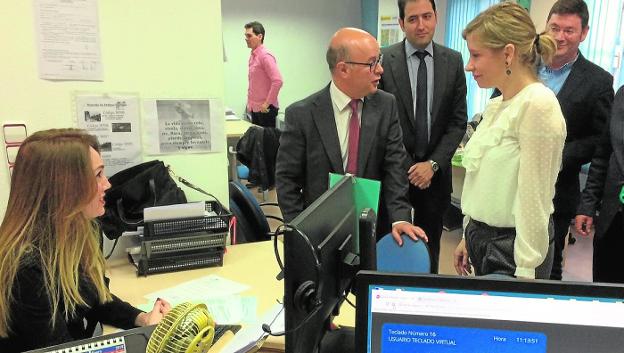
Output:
[[267, 328], [278, 232], [111, 250], [346, 295], [131, 260], [317, 302], [348, 301], [313, 251]]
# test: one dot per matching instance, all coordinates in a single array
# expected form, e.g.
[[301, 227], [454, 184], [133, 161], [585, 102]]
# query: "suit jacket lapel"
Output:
[[574, 80], [440, 66], [326, 124], [400, 74], [368, 127]]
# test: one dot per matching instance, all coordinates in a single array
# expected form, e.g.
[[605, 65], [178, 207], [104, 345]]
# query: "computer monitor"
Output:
[[425, 313], [319, 266]]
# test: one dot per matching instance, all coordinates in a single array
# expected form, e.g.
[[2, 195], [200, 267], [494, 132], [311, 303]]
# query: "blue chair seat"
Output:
[[412, 257], [243, 171]]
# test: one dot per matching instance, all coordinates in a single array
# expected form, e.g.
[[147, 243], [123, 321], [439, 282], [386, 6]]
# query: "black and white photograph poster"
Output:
[[184, 125], [114, 119]]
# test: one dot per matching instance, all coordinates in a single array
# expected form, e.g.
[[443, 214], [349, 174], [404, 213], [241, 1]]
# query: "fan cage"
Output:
[[180, 328]]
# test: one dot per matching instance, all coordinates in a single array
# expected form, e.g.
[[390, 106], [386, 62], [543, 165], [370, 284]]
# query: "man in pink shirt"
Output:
[[265, 79]]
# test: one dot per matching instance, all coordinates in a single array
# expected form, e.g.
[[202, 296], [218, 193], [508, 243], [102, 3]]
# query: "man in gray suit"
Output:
[[429, 83], [604, 191], [348, 126]]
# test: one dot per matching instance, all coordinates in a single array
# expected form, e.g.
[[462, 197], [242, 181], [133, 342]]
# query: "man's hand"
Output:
[[420, 174], [160, 309], [264, 108], [407, 228], [583, 224], [463, 267]]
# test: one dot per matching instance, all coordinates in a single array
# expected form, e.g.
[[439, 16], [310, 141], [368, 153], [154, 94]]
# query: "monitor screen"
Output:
[[439, 314]]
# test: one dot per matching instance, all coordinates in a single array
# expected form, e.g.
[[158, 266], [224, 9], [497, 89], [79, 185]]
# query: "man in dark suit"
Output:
[[348, 126], [432, 112], [604, 191], [585, 93]]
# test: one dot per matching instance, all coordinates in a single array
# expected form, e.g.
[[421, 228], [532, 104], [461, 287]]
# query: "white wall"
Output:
[[539, 12], [148, 46], [390, 8], [297, 33]]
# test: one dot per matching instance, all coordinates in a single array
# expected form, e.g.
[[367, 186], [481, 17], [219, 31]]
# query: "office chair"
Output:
[[248, 212], [412, 257], [242, 171], [243, 232]]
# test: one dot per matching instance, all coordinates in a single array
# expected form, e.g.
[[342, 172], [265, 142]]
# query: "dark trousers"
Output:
[[562, 225], [265, 119], [491, 250], [429, 207], [608, 252]]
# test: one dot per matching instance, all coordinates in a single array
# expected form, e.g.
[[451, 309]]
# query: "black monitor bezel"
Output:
[[295, 321], [365, 279]]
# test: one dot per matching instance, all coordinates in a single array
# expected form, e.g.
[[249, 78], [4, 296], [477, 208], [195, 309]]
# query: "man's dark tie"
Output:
[[354, 138], [420, 115]]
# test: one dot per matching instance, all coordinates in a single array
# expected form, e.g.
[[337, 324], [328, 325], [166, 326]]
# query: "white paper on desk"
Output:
[[230, 310], [176, 211], [199, 289], [249, 336]]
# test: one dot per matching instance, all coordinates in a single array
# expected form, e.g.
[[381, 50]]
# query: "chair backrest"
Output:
[[412, 257], [244, 232], [250, 210]]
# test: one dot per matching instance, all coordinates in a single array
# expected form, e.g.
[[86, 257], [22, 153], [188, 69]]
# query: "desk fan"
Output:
[[187, 328]]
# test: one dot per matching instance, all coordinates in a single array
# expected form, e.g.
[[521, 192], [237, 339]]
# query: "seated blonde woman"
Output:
[[51, 266]]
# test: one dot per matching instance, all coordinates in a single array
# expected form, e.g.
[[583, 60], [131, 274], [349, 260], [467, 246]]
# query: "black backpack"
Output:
[[148, 184]]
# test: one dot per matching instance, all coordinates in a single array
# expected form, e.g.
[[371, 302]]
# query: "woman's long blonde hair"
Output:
[[509, 23], [44, 223]]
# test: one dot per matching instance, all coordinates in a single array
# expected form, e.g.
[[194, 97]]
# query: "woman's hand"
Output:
[[160, 309], [461, 260]]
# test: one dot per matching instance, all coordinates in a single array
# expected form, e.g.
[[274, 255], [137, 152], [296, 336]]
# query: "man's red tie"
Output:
[[354, 137]]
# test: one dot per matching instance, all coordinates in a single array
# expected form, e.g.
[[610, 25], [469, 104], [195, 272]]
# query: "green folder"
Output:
[[366, 193]]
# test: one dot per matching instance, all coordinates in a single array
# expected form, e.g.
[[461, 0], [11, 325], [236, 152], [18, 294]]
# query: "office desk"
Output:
[[252, 264], [234, 129]]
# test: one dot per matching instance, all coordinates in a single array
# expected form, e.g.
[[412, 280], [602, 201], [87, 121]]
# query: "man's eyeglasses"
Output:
[[566, 31], [371, 65]]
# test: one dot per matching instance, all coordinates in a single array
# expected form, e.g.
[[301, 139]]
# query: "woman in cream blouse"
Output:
[[514, 156]]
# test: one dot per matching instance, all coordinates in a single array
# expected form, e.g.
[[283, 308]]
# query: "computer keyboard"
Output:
[[221, 329]]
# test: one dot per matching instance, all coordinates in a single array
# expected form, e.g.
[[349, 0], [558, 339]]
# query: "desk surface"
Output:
[[252, 264], [236, 128]]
